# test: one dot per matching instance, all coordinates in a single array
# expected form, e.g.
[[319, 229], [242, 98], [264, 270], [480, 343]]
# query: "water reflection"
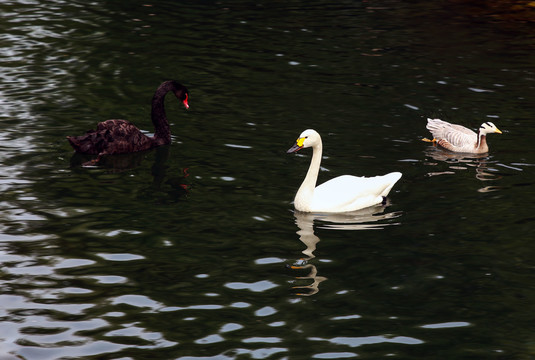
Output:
[[170, 187], [312, 275], [460, 161], [121, 162], [371, 218], [114, 163], [109, 266]]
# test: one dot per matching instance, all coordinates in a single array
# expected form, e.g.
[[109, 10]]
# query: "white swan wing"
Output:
[[348, 193]]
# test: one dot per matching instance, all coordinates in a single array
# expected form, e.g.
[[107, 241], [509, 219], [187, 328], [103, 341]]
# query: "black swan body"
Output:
[[117, 136]]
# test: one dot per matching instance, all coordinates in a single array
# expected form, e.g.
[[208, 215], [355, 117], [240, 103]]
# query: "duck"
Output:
[[342, 194], [458, 138], [117, 136]]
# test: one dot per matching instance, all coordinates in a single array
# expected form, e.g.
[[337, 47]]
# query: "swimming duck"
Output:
[[458, 138]]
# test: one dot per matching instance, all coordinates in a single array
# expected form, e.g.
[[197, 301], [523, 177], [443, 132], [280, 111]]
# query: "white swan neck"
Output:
[[306, 190]]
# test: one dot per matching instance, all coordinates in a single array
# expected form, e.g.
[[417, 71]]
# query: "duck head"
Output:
[[488, 128]]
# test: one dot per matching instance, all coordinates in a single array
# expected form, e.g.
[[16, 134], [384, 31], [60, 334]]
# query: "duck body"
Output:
[[117, 136], [458, 138], [341, 194]]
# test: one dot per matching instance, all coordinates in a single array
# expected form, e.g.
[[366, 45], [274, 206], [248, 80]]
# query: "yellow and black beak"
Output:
[[498, 131], [297, 146]]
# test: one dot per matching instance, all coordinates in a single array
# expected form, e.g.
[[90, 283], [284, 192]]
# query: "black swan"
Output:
[[117, 136]]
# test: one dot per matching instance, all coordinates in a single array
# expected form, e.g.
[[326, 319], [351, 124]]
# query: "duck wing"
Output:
[[451, 135]]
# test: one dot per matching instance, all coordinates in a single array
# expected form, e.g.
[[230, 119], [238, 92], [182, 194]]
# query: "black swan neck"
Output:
[[162, 133]]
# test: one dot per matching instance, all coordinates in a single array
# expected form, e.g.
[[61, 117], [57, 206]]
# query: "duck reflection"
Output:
[[460, 161], [364, 219]]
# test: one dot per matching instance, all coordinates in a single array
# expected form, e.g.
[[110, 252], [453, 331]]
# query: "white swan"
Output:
[[341, 194]]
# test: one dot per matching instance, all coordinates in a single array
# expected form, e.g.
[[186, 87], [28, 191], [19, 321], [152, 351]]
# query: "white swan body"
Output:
[[341, 194]]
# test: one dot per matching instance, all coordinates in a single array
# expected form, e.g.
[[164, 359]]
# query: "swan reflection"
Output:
[[112, 163], [167, 186], [461, 161], [371, 218]]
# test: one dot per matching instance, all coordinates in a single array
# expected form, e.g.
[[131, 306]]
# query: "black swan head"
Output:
[[181, 92]]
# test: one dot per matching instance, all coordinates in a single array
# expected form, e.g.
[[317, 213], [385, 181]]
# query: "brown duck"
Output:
[[458, 138]]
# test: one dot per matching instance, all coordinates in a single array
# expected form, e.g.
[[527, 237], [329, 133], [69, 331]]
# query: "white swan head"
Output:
[[308, 138], [488, 128]]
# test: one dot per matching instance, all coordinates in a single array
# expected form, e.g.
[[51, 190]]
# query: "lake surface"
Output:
[[193, 250]]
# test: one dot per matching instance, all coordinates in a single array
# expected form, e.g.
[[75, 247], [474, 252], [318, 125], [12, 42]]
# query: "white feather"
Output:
[[341, 194]]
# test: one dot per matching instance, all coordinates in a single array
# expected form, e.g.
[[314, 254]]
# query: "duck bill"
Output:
[[294, 149], [498, 131]]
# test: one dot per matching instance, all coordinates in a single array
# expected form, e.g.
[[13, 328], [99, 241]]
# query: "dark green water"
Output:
[[121, 262]]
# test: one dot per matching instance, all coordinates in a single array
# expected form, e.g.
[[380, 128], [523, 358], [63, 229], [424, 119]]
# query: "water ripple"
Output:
[[258, 286], [367, 340], [98, 263]]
